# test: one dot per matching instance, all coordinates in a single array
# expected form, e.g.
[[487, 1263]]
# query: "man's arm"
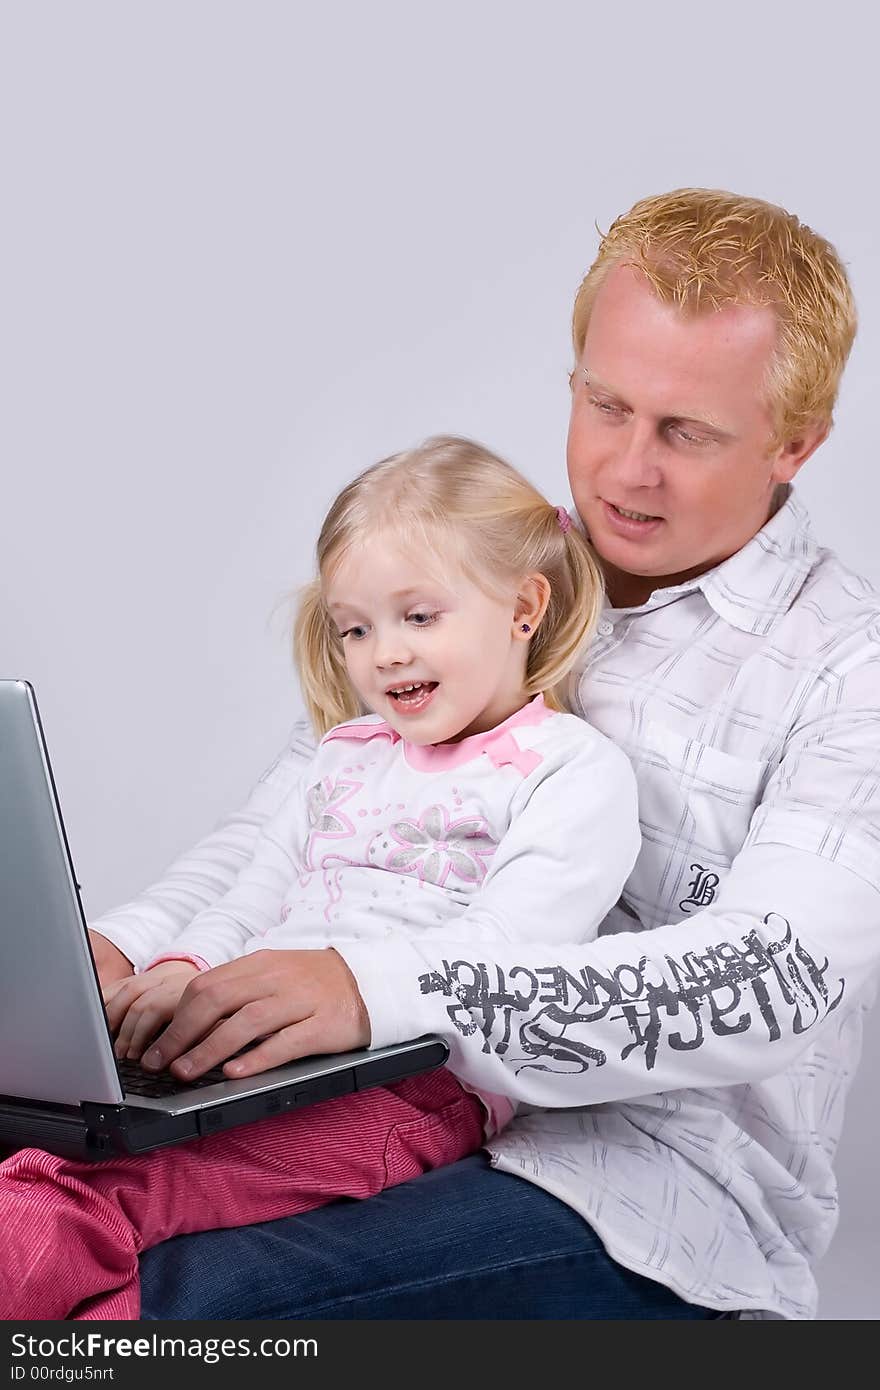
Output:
[[729, 995], [143, 929], [732, 995], [251, 909]]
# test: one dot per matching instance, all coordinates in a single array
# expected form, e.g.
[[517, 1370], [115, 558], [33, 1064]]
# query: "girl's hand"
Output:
[[110, 962], [138, 1007]]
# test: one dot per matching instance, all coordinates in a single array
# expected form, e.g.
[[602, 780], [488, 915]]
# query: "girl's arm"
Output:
[[143, 929]]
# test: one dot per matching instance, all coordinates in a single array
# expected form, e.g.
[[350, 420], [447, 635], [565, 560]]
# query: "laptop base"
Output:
[[60, 1130], [94, 1132]]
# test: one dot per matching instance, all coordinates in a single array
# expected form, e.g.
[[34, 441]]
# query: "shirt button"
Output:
[[605, 628]]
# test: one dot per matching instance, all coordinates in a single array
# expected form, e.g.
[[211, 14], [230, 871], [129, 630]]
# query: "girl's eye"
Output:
[[422, 619], [356, 632]]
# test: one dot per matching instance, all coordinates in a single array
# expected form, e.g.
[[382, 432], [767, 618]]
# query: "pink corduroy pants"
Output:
[[71, 1232]]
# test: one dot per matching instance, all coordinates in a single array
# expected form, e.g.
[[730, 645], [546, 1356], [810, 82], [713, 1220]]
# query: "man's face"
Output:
[[669, 420]]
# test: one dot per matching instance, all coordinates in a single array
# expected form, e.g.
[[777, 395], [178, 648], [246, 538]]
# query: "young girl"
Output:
[[452, 600]]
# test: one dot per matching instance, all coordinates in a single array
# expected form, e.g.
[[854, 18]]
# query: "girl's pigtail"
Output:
[[570, 620], [329, 696]]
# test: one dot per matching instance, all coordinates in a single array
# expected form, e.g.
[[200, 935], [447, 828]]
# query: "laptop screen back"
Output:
[[54, 1042]]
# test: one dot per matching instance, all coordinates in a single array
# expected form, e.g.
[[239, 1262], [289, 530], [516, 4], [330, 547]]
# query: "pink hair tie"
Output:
[[564, 520]]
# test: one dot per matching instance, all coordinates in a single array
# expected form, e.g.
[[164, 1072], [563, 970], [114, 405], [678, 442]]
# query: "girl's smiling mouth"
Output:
[[411, 697]]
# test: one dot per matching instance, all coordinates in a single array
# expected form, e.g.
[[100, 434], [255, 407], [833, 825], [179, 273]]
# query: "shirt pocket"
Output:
[[695, 806]]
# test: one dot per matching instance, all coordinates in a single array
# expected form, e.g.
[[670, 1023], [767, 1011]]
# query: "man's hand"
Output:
[[111, 963], [138, 1006], [299, 1002]]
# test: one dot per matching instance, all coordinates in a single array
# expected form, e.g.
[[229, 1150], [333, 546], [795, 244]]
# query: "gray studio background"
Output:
[[249, 248]]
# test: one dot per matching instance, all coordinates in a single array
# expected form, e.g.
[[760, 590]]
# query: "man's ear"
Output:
[[792, 455], [532, 597]]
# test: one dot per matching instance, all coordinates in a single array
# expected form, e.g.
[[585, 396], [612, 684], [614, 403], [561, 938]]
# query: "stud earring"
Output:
[[525, 628]]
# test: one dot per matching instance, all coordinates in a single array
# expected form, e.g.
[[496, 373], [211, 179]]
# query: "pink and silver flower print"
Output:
[[326, 819], [323, 801], [435, 847]]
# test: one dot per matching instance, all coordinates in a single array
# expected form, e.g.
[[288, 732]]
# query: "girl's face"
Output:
[[438, 660]]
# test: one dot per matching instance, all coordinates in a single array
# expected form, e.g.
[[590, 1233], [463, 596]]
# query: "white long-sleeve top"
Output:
[[506, 836], [703, 1043]]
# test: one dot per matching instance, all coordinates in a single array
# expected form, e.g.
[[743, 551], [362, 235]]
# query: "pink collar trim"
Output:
[[498, 744]]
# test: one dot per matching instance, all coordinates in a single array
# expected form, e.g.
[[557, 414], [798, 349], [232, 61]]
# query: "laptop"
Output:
[[61, 1086]]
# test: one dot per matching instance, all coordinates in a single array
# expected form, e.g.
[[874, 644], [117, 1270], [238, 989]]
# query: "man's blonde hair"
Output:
[[456, 505], [702, 249]]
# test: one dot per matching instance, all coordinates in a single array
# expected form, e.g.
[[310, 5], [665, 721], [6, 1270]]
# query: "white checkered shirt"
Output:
[[748, 701], [705, 1041]]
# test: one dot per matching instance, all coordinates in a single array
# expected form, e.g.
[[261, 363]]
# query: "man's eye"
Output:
[[422, 619], [356, 632], [697, 441], [605, 407]]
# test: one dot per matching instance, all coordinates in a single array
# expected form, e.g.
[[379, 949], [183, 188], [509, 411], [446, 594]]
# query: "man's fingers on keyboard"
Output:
[[204, 1004], [288, 1045], [255, 1020], [219, 1020], [222, 1042]]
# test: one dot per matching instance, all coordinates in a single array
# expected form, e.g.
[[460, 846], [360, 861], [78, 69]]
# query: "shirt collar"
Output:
[[755, 587], [498, 743]]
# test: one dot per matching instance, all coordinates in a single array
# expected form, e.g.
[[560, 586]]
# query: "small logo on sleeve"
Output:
[[702, 889]]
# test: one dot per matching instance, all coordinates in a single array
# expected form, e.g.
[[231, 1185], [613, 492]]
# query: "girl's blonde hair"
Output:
[[702, 249], [459, 505]]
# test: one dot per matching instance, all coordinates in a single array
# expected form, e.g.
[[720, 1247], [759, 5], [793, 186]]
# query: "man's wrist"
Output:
[[387, 985], [361, 1013]]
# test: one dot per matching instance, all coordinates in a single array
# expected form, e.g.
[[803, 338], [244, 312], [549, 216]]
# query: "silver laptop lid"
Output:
[[54, 1041]]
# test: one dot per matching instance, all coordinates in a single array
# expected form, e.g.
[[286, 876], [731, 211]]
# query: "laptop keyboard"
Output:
[[137, 1082]]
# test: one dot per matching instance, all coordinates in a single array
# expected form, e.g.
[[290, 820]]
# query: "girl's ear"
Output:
[[532, 597]]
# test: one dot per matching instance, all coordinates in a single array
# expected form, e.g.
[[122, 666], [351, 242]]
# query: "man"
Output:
[[708, 1035]]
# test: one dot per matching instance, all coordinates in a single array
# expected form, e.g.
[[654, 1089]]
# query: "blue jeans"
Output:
[[459, 1242]]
